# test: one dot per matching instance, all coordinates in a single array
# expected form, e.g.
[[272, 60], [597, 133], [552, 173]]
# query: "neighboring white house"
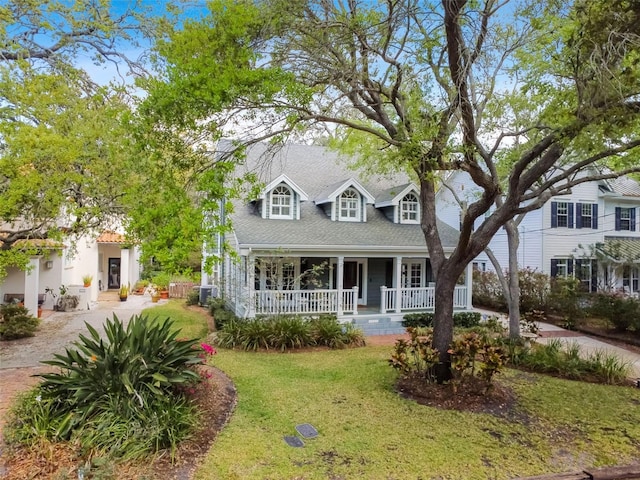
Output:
[[591, 233], [106, 258], [321, 238]]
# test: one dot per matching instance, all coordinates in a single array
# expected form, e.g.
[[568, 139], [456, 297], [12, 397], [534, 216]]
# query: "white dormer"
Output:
[[401, 204], [281, 199], [346, 201]]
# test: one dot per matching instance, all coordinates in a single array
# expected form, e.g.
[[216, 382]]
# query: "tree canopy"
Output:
[[529, 98], [65, 140]]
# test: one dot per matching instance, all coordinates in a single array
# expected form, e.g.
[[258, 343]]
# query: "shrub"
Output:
[[327, 331], [623, 313], [425, 319], [288, 332], [221, 315], [15, 322], [564, 298], [487, 291], [193, 297], [123, 394], [416, 357], [466, 319], [475, 355]]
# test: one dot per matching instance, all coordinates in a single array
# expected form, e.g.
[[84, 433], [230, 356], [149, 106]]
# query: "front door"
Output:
[[353, 275], [114, 273]]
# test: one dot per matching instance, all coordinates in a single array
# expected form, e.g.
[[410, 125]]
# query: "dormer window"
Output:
[[281, 202], [409, 209], [350, 206]]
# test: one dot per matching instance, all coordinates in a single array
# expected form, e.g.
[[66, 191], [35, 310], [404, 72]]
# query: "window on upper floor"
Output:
[[281, 202], [409, 210], [561, 214], [350, 205], [587, 215], [626, 219]]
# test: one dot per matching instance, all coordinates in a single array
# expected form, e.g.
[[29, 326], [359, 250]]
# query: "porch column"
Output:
[[340, 286], [251, 276], [31, 286], [398, 285], [468, 282], [124, 267]]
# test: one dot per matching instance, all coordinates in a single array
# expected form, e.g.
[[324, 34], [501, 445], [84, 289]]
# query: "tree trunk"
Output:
[[443, 322], [513, 299]]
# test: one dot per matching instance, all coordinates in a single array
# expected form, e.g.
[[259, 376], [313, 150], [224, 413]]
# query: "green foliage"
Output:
[[134, 377], [121, 396], [567, 361], [415, 356], [193, 297], [478, 355], [15, 322], [221, 315], [565, 297], [623, 313], [286, 332], [425, 319], [534, 290], [473, 355], [289, 332]]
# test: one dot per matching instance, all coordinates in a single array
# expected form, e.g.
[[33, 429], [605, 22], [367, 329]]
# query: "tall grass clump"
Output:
[[569, 361], [123, 395]]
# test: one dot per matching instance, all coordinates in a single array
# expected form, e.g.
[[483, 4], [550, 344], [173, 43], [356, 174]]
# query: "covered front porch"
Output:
[[377, 287]]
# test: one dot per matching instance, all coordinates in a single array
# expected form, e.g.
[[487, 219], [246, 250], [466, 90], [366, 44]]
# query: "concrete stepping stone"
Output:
[[307, 430], [293, 441]]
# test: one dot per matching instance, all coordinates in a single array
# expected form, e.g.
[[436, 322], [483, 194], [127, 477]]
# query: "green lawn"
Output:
[[368, 431], [191, 323]]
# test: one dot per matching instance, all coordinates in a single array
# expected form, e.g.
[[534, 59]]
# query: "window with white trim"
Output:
[[281, 202], [586, 212], [563, 214], [277, 274], [350, 205], [409, 212]]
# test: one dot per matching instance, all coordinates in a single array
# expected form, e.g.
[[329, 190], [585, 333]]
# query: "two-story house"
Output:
[[591, 233], [320, 238]]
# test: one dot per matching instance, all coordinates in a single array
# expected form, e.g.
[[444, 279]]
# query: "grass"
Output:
[[367, 431], [191, 322]]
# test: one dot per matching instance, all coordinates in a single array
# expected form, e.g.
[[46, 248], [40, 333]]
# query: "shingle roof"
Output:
[[315, 169], [625, 186]]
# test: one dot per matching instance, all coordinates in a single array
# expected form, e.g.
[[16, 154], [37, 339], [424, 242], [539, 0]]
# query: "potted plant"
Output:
[[123, 293], [87, 279], [161, 282], [153, 291]]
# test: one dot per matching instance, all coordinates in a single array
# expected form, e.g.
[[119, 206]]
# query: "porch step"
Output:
[[378, 326]]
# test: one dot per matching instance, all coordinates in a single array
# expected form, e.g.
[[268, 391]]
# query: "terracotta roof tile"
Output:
[[110, 237]]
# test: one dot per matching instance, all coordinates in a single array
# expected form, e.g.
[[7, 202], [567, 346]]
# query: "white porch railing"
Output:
[[295, 301], [422, 298], [270, 302]]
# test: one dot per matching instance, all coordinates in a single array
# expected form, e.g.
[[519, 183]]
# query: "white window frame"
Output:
[[410, 209], [625, 219], [586, 211], [562, 267], [413, 273], [349, 203], [562, 212], [281, 198], [278, 273]]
